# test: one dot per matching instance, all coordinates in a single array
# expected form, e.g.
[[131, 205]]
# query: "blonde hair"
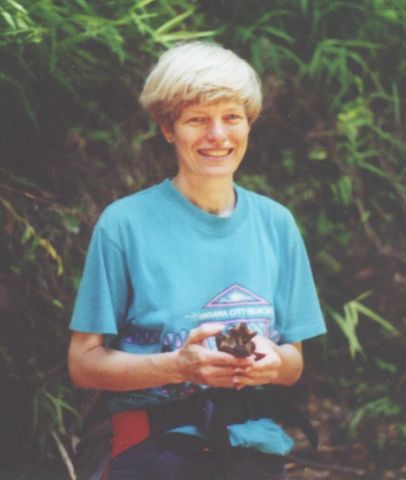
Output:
[[199, 72]]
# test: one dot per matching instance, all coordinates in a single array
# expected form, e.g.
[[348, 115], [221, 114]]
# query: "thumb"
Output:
[[199, 334]]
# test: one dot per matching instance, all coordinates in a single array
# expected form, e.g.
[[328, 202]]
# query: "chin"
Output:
[[218, 173]]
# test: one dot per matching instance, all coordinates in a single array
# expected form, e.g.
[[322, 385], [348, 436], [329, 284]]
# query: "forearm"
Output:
[[102, 368], [291, 367], [106, 369]]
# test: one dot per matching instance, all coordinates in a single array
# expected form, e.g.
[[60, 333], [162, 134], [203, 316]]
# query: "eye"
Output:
[[233, 117], [196, 119]]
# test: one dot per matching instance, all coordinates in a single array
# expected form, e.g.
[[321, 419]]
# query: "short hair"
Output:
[[199, 72]]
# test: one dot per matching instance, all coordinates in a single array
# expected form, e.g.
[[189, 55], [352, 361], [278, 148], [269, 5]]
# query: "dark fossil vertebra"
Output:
[[237, 341]]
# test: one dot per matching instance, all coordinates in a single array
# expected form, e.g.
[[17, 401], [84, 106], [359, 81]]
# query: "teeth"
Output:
[[215, 153]]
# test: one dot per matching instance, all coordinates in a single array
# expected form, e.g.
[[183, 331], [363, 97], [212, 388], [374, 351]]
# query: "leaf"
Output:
[[346, 324], [183, 35], [17, 6], [72, 224], [280, 34], [23, 181], [372, 169], [143, 3], [343, 189], [84, 5], [329, 261], [50, 249], [28, 233], [318, 153], [8, 18], [57, 303], [304, 5], [173, 22], [382, 407], [367, 312], [349, 322], [396, 102], [386, 366]]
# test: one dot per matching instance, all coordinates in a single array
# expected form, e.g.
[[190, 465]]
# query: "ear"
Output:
[[167, 132]]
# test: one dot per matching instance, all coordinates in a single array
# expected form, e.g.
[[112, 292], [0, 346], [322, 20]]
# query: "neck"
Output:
[[214, 196]]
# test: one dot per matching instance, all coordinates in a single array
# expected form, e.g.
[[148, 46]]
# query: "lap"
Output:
[[183, 457]]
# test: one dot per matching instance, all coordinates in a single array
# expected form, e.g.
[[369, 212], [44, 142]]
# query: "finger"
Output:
[[256, 376], [267, 359], [218, 377], [225, 360], [224, 370], [238, 386], [198, 335]]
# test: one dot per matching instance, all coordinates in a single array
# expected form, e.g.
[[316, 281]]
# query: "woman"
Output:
[[171, 267]]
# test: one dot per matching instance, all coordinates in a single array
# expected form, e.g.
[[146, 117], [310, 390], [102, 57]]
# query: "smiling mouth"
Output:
[[215, 153]]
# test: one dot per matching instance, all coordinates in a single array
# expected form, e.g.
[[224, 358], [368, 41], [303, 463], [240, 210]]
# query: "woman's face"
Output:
[[210, 139]]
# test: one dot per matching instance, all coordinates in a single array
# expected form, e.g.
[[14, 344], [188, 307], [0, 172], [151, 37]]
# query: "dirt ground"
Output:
[[333, 461]]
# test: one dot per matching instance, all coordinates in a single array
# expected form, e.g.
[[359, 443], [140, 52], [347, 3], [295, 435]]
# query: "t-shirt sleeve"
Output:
[[104, 290], [297, 308]]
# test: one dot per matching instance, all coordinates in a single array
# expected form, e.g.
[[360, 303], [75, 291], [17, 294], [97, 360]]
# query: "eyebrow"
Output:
[[197, 111]]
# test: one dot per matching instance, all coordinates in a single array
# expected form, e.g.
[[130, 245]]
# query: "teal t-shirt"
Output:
[[159, 266]]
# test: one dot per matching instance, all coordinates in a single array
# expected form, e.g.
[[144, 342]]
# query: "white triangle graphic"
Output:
[[236, 295]]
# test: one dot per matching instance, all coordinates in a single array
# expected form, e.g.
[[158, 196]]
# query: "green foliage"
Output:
[[81, 45], [348, 322], [255, 182], [379, 416], [382, 407]]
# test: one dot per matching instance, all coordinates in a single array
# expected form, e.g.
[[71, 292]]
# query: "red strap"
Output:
[[129, 428]]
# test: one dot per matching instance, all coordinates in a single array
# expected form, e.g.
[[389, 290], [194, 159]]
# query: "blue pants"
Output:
[[181, 457]]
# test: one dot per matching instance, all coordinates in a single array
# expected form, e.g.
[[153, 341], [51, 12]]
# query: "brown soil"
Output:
[[334, 460]]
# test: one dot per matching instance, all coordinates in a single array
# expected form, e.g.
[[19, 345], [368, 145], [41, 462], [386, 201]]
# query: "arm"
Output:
[[92, 365]]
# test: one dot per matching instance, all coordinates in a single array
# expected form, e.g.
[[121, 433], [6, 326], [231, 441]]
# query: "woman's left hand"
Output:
[[281, 365]]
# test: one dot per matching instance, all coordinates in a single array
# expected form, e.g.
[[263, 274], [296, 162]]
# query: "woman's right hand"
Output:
[[198, 364]]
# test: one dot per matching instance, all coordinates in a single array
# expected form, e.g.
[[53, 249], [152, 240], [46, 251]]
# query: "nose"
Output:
[[216, 131]]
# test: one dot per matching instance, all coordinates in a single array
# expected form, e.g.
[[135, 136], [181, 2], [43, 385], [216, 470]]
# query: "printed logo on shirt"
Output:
[[235, 295], [233, 305], [237, 304]]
